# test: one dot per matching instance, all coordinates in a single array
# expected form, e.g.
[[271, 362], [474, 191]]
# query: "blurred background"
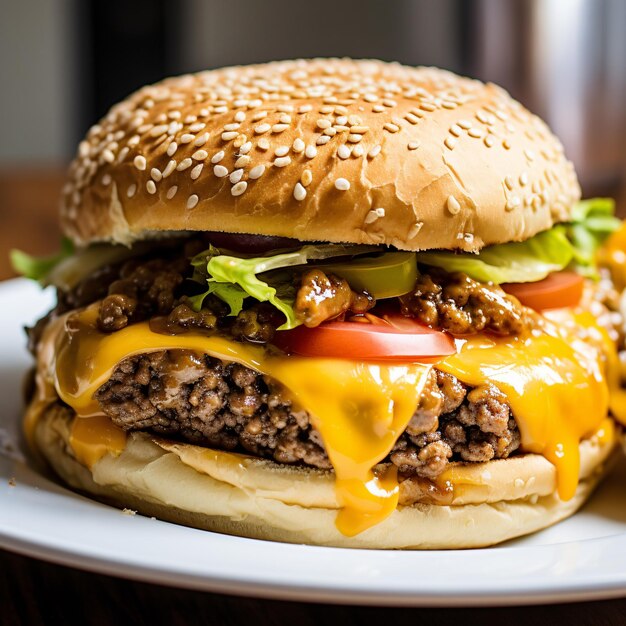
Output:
[[63, 63]]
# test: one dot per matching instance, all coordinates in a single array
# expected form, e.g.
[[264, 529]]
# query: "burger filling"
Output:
[[271, 288]]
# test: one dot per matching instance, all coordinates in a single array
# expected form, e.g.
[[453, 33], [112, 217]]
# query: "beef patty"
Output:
[[205, 401]]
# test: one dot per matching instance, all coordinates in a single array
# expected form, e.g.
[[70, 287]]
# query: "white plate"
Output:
[[582, 558]]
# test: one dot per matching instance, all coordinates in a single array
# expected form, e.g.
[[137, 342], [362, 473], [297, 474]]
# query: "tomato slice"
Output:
[[559, 289], [390, 338]]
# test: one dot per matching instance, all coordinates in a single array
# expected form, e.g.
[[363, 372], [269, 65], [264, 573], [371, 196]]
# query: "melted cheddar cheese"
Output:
[[554, 382]]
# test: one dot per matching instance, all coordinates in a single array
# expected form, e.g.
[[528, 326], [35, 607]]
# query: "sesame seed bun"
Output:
[[493, 501], [326, 149]]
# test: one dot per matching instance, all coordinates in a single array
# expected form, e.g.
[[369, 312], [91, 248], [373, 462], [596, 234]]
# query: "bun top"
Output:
[[320, 150]]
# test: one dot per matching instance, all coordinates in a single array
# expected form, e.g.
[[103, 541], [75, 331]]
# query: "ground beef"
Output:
[[322, 297], [457, 303], [205, 401]]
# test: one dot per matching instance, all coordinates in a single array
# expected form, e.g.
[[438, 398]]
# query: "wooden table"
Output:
[[33, 592]]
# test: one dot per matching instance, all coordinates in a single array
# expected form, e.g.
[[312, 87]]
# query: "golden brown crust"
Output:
[[432, 160], [496, 501]]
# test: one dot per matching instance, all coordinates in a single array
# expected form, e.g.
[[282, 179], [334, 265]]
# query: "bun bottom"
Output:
[[264, 500]]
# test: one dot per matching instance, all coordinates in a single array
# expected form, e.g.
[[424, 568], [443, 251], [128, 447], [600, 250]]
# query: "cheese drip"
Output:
[[359, 409], [554, 383]]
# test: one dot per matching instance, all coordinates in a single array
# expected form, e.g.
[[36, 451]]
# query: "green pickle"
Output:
[[389, 275]]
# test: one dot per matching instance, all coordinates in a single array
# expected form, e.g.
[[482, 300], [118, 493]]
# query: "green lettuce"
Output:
[[232, 279], [571, 245], [592, 222], [39, 269], [519, 262]]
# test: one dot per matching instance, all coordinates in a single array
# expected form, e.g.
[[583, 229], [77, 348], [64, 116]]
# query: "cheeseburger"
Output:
[[335, 302]]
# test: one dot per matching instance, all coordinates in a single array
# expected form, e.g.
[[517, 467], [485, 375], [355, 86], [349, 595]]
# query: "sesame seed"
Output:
[[264, 144], [373, 215], [344, 152], [230, 127], [174, 115], [307, 178], [285, 108], [506, 144], [285, 119], [453, 205], [195, 172], [171, 192], [156, 174], [298, 145], [523, 179], [489, 141], [229, 135], [151, 187], [358, 150], [428, 106], [281, 151], [106, 180], [220, 109], [240, 116], [256, 172], [299, 192], [323, 123], [134, 140], [464, 124], [456, 130], [378, 108], [242, 161], [413, 145], [245, 148], [144, 128], [326, 109], [331, 132], [158, 130], [201, 140], [513, 202], [187, 138], [108, 156], [342, 184], [392, 128], [171, 149], [140, 162], [530, 155], [415, 229], [220, 171], [132, 189], [508, 181], [192, 201], [374, 151], [282, 161], [390, 103], [199, 155], [236, 176], [217, 157], [239, 188], [449, 143], [262, 128], [259, 115], [310, 152], [370, 97], [413, 119], [305, 108], [341, 120], [477, 133], [354, 138]]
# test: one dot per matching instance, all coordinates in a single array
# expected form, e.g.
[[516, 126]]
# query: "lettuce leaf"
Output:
[[518, 262], [40, 268], [571, 245], [232, 279], [592, 222]]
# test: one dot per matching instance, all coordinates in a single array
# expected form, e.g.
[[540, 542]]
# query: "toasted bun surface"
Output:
[[330, 150], [493, 501]]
